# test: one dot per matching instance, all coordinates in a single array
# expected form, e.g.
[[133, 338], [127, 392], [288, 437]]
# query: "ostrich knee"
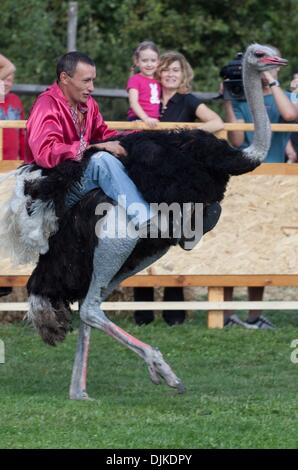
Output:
[[92, 315]]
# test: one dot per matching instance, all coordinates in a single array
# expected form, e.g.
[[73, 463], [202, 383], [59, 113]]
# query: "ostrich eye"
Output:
[[259, 54]]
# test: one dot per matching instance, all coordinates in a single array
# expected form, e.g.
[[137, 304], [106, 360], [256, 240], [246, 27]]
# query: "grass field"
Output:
[[241, 390]]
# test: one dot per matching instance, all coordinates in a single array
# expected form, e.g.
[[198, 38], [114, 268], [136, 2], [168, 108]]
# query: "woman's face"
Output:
[[172, 76]]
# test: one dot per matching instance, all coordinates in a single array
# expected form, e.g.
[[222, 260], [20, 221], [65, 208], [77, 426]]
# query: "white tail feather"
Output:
[[24, 237]]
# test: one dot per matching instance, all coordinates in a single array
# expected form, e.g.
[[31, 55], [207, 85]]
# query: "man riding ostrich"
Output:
[[156, 166]]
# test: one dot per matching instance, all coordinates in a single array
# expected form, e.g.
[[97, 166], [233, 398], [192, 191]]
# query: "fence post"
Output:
[[215, 317]]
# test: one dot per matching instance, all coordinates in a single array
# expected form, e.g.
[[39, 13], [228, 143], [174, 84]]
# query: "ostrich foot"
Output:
[[159, 369], [80, 395]]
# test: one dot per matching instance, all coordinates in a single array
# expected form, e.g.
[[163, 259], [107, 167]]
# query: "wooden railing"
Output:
[[215, 283]]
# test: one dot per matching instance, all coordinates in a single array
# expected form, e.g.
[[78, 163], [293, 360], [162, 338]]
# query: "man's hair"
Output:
[[166, 59], [68, 63]]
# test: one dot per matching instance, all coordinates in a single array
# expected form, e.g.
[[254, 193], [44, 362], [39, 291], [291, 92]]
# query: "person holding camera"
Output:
[[280, 109], [291, 152]]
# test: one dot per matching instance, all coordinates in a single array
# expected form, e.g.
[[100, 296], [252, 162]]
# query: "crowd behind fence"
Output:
[[215, 283]]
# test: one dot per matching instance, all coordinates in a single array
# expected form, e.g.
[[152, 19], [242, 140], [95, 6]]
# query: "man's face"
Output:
[[8, 82], [78, 88]]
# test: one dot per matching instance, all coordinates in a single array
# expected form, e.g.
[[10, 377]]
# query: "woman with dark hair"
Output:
[[178, 104]]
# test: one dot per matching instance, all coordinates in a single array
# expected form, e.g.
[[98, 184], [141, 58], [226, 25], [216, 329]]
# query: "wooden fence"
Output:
[[215, 283]]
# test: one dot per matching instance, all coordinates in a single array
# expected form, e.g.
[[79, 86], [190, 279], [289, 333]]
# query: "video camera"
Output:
[[232, 75]]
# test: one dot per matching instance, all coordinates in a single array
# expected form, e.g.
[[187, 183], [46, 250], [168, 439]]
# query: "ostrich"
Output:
[[181, 166]]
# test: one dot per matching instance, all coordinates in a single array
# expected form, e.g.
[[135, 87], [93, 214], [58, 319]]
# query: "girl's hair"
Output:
[[143, 46], [167, 59]]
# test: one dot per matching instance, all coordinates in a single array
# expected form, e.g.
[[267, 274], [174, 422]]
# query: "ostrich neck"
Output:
[[254, 94]]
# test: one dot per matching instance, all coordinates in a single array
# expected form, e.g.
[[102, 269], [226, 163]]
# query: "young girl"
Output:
[[143, 89]]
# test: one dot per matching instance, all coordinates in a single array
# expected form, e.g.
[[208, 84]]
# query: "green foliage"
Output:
[[209, 33]]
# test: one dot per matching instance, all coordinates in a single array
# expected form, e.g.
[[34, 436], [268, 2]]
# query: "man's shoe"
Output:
[[234, 320], [261, 322]]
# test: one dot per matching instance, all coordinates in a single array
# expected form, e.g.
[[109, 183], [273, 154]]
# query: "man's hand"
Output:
[[113, 147]]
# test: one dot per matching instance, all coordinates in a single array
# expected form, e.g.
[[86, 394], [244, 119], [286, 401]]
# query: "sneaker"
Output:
[[262, 323], [234, 320]]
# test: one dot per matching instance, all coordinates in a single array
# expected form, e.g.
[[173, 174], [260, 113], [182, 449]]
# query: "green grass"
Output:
[[241, 390]]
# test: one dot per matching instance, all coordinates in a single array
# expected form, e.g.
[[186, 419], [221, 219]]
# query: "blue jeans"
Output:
[[108, 173]]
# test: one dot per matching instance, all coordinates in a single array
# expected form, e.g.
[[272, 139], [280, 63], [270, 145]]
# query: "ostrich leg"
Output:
[[109, 256], [79, 375], [92, 315]]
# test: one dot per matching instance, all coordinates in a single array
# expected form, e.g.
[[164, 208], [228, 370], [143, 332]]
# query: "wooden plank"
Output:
[[167, 125], [241, 126], [13, 281], [215, 317], [269, 169], [13, 124], [211, 280], [9, 165], [192, 280]]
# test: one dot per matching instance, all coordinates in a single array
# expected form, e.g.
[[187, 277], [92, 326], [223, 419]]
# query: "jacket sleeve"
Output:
[[45, 136]]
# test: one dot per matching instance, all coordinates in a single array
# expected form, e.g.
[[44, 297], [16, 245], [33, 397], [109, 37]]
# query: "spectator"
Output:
[[143, 89], [292, 145], [7, 69], [178, 104], [280, 109], [12, 109]]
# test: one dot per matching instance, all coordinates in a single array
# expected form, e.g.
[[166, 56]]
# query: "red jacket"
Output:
[[52, 136]]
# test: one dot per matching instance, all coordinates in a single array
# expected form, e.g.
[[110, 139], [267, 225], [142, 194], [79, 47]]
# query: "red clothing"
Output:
[[13, 139], [149, 91], [52, 135]]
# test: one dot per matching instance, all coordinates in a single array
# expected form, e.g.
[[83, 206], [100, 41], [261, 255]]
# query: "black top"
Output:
[[180, 108]]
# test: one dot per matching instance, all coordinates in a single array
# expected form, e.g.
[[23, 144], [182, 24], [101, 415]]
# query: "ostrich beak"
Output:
[[273, 60]]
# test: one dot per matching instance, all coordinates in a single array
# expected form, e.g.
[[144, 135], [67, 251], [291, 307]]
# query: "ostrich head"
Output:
[[263, 57], [258, 59]]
